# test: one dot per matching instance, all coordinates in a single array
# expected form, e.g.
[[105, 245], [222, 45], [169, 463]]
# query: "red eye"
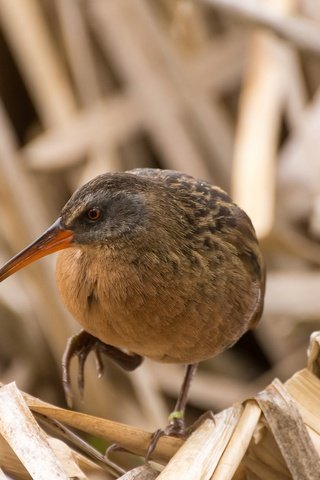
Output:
[[94, 214]]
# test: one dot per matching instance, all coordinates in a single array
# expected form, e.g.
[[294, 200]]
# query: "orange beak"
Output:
[[54, 239]]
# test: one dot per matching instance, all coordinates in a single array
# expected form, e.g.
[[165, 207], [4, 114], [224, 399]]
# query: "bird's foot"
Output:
[[80, 346], [115, 447], [175, 428]]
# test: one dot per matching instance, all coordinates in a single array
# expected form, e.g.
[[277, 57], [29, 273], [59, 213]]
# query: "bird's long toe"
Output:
[[80, 345]]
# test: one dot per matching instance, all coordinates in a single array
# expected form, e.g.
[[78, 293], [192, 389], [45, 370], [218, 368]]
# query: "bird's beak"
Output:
[[54, 239]]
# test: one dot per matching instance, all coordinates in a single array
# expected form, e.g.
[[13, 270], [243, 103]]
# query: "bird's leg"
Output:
[[176, 426], [176, 417], [80, 346]]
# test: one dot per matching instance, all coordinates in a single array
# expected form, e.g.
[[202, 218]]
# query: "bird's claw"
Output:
[[115, 447], [176, 428], [99, 363], [80, 346]]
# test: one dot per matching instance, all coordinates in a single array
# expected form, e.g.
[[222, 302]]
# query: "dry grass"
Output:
[[276, 435]]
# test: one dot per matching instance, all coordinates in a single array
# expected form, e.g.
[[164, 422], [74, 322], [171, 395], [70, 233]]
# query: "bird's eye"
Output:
[[94, 214]]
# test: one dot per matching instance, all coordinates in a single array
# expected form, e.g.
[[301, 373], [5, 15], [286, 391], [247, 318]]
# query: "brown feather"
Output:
[[182, 286]]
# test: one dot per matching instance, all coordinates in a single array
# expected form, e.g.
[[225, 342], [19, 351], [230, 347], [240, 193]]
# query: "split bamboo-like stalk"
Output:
[[257, 137]]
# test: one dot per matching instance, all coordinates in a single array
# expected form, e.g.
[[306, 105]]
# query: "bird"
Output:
[[153, 264]]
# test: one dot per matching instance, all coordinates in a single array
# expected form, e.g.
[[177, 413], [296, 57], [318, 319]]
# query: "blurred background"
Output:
[[224, 90]]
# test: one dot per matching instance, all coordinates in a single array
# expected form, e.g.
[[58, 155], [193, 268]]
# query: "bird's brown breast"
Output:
[[166, 306]]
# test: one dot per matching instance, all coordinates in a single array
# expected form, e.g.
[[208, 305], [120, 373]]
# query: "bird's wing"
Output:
[[221, 214]]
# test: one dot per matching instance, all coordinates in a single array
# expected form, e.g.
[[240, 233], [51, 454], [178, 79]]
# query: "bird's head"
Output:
[[110, 209]]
